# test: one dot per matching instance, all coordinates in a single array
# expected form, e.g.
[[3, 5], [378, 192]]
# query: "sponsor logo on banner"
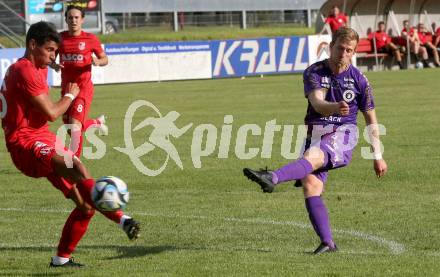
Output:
[[323, 51], [236, 58], [319, 48]]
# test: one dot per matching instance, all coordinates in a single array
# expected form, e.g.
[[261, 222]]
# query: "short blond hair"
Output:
[[345, 34]]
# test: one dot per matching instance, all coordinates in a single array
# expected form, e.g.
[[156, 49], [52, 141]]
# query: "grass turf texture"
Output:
[[213, 221]]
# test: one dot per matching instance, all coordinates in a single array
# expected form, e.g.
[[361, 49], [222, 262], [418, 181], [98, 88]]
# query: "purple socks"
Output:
[[319, 218], [293, 171], [315, 206]]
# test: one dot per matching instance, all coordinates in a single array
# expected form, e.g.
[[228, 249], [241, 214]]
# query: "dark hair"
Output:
[[74, 7], [345, 34], [380, 23], [42, 32]]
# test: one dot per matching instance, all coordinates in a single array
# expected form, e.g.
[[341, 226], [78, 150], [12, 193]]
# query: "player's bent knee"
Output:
[[82, 214], [80, 169], [312, 186], [73, 170], [315, 157]]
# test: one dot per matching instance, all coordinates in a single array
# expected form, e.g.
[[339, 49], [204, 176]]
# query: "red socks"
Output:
[[78, 221], [91, 122]]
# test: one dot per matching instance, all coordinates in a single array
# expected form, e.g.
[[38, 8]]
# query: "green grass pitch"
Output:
[[212, 221]]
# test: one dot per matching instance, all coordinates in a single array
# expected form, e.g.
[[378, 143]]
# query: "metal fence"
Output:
[[254, 19]]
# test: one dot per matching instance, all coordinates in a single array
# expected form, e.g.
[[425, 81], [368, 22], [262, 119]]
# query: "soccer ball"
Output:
[[110, 194], [419, 65]]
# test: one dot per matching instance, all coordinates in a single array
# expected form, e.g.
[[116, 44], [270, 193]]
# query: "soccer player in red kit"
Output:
[[76, 59], [35, 151], [336, 19]]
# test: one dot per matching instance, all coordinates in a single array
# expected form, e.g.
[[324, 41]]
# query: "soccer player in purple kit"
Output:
[[336, 91]]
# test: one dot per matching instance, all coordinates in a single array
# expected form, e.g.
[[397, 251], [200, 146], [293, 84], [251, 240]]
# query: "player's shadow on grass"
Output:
[[127, 252], [36, 274]]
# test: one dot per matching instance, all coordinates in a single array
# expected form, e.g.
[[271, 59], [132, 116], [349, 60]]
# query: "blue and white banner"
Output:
[[161, 61], [144, 62], [157, 47], [8, 57], [237, 58]]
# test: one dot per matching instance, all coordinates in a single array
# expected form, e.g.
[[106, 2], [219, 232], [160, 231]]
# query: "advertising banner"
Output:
[[10, 56], [144, 62], [319, 48], [56, 6], [237, 58]]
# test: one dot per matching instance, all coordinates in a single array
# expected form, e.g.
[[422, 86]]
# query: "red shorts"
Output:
[[80, 107], [33, 157], [399, 41]]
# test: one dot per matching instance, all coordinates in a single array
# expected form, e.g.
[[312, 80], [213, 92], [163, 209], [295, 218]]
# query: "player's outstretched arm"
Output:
[[53, 110], [101, 59], [380, 166], [317, 100]]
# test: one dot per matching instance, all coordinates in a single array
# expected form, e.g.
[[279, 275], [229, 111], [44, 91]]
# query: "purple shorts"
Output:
[[337, 145]]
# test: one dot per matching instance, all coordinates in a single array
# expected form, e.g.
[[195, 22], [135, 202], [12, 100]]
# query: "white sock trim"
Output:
[[57, 260], [123, 218]]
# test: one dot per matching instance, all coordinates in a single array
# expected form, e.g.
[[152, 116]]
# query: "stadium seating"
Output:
[[365, 51]]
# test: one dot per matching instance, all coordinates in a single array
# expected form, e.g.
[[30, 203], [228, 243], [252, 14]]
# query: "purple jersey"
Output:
[[351, 86]]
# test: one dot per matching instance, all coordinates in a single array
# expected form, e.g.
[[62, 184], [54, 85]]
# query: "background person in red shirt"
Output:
[[414, 43], [437, 39], [76, 60], [411, 34], [384, 44], [36, 151], [426, 41], [335, 20]]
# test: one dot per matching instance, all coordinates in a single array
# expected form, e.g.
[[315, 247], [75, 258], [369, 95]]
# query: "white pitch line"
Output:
[[395, 247]]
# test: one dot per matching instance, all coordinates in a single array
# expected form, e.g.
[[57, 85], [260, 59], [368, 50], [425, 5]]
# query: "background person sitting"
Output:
[[414, 43], [426, 41], [384, 44], [437, 39]]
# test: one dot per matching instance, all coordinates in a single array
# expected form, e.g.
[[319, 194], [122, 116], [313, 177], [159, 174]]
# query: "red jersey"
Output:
[[76, 57], [429, 37], [336, 22], [437, 32], [382, 39], [22, 120], [425, 37], [411, 31]]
